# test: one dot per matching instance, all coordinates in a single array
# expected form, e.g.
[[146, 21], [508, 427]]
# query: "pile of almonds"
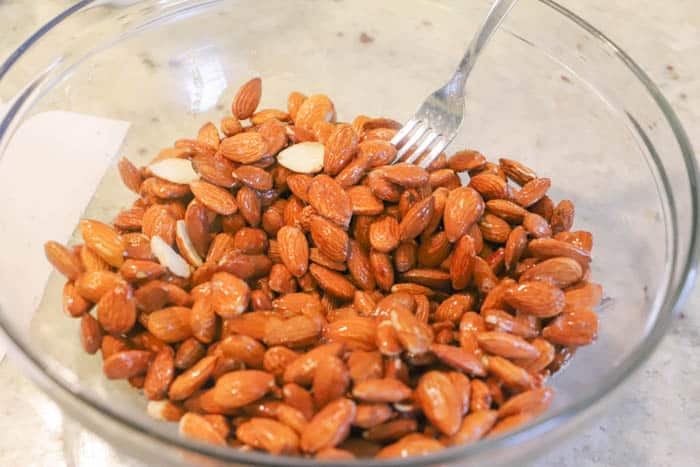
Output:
[[281, 288]]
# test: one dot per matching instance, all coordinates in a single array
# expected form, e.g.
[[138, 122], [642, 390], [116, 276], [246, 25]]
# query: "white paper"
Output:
[[48, 174]]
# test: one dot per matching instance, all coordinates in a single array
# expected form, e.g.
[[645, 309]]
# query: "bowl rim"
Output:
[[50, 383]]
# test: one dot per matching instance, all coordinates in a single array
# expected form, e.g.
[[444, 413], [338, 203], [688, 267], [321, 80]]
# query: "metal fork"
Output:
[[436, 122]]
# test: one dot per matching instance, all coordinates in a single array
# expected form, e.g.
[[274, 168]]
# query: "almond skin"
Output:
[[244, 148], [532, 192], [269, 435], [194, 378], [461, 263], [170, 324], [463, 207]]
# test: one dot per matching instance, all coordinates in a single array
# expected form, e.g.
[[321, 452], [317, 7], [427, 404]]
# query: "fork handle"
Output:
[[499, 10]]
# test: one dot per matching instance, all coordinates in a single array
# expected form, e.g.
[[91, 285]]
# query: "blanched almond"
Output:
[[174, 170], [303, 158], [169, 258]]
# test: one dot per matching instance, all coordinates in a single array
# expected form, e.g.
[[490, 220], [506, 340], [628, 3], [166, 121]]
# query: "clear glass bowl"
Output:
[[549, 90]]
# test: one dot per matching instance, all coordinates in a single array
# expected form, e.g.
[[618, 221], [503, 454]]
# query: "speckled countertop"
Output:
[[658, 413]]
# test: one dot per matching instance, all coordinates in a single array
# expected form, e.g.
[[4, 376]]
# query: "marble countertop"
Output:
[[658, 411]]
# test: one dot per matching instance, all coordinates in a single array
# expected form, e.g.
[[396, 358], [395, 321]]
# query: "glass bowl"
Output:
[[550, 90]]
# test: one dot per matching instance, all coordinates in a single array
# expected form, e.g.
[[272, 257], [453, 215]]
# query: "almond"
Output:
[[378, 152], [340, 149], [130, 175], [74, 305], [230, 295], [440, 401], [384, 234], [534, 402], [464, 161], [353, 172], [247, 99], [329, 427], [297, 331], [303, 158], [315, 108], [580, 239], [103, 240], [178, 171], [405, 256], [239, 388], [93, 285], [363, 201], [517, 171], [90, 334], [585, 295], [244, 148], [330, 200], [192, 379], [507, 345], [294, 101], [573, 328], [490, 186], [170, 324], [294, 250], [391, 430], [540, 299], [302, 369], [330, 239], [414, 335], [537, 226], [563, 216], [461, 263], [409, 446], [511, 375], [196, 427], [459, 358], [264, 115], [463, 207], [548, 247], [434, 250], [507, 210], [474, 427], [116, 310], [269, 435], [168, 258], [516, 244], [356, 333], [164, 410], [363, 366], [532, 191], [494, 229], [371, 415], [561, 272], [405, 175], [160, 374], [417, 218], [381, 390], [214, 197], [127, 363], [331, 380]]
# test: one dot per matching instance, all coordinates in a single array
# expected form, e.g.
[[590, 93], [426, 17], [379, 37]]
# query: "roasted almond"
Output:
[[540, 299], [247, 99], [103, 240], [573, 328], [463, 208], [239, 388], [440, 401], [63, 259], [329, 427]]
